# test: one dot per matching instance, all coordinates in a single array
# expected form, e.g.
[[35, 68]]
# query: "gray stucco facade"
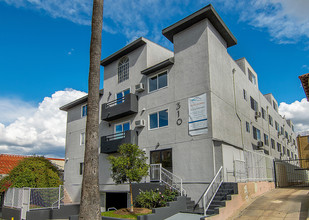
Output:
[[200, 64]]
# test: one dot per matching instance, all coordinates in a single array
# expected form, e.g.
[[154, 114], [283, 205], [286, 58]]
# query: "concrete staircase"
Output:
[[67, 199], [224, 193]]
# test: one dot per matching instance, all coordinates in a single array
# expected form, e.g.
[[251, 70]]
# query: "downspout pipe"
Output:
[[235, 106]]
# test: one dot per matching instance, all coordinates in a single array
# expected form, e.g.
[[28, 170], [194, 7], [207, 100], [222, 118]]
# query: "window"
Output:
[[245, 94], [279, 147], [275, 106], [84, 110], [283, 150], [123, 69], [120, 96], [286, 135], [266, 141], [292, 127], [157, 82], [158, 119], [288, 152], [270, 120], [251, 77], [81, 168], [256, 133], [277, 126], [292, 156], [164, 157], [273, 143], [247, 127], [294, 141], [263, 113], [254, 104], [122, 127], [282, 130], [82, 138]]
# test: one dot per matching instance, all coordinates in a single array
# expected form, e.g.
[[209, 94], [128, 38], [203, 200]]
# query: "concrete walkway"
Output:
[[280, 203]]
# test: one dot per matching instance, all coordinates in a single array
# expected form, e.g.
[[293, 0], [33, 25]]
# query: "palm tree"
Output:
[[90, 196]]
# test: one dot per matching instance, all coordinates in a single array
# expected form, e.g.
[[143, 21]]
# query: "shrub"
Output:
[[154, 199]]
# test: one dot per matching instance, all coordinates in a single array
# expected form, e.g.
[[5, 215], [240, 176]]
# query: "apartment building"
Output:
[[303, 149], [193, 109]]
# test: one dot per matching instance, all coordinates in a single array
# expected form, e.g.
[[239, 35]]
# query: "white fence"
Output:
[[33, 198], [254, 167]]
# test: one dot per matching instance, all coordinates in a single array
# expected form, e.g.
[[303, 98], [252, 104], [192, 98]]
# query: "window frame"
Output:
[[255, 132], [157, 112], [122, 92], [123, 63], [255, 106], [247, 127], [245, 95], [156, 75], [122, 123], [273, 143], [266, 139], [82, 110], [82, 140]]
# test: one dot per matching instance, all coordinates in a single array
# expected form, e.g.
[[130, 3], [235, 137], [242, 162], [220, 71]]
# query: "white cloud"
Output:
[[40, 132], [133, 18], [298, 113], [287, 21]]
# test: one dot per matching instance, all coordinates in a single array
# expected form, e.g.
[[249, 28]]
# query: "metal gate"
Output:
[[289, 173]]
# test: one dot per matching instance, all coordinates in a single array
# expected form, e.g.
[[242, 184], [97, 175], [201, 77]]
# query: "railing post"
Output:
[[160, 168], [181, 187], [59, 197]]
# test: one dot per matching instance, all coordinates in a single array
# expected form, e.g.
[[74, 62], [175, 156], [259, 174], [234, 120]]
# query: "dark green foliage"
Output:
[[154, 199], [34, 172], [130, 165]]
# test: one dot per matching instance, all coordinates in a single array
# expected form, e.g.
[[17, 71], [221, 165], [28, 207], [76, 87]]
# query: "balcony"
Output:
[[111, 143], [119, 108]]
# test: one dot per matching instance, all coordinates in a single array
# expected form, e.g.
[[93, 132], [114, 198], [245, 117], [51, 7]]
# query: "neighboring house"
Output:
[[305, 83], [9, 161], [303, 149], [192, 110]]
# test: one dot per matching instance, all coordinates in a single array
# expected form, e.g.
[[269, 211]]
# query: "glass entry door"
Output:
[[163, 157]]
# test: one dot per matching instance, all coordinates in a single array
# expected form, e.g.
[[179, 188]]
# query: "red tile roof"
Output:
[[9, 161]]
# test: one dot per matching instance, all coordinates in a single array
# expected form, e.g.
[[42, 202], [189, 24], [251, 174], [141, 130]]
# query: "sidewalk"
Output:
[[280, 203]]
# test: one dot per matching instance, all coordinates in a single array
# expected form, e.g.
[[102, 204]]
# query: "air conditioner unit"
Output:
[[260, 143], [139, 87], [257, 114], [140, 123]]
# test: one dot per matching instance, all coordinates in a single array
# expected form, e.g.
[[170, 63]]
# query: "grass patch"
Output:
[[126, 214]]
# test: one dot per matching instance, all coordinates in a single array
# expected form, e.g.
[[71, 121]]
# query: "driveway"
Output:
[[280, 203]]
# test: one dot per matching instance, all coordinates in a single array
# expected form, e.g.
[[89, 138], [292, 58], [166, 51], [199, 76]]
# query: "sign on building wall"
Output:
[[198, 115]]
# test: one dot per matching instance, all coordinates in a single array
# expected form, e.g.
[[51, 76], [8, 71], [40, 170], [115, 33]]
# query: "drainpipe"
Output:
[[235, 105], [270, 149]]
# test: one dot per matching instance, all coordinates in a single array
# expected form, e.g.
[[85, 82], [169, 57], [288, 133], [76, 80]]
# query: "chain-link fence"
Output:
[[34, 198], [254, 167]]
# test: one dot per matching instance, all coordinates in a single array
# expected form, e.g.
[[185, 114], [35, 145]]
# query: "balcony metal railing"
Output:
[[115, 102], [115, 136], [110, 143]]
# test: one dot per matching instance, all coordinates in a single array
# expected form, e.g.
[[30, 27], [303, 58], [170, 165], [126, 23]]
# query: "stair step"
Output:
[[212, 211], [225, 197], [221, 203]]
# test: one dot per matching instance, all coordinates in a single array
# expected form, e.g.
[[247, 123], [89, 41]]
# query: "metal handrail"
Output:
[[206, 205], [168, 178]]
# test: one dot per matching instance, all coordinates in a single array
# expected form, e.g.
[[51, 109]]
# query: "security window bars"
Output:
[[84, 110], [123, 69], [158, 119], [157, 82], [256, 133]]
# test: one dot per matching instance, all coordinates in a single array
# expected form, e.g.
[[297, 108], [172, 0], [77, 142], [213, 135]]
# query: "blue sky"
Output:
[[44, 53]]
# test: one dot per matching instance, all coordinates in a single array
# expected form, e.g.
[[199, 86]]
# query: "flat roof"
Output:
[[158, 66], [206, 12], [305, 82], [78, 102], [125, 50]]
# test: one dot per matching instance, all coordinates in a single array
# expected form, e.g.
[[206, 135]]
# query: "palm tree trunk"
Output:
[[90, 195]]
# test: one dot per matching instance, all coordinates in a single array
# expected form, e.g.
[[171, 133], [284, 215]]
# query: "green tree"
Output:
[[129, 166], [90, 195], [34, 172]]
